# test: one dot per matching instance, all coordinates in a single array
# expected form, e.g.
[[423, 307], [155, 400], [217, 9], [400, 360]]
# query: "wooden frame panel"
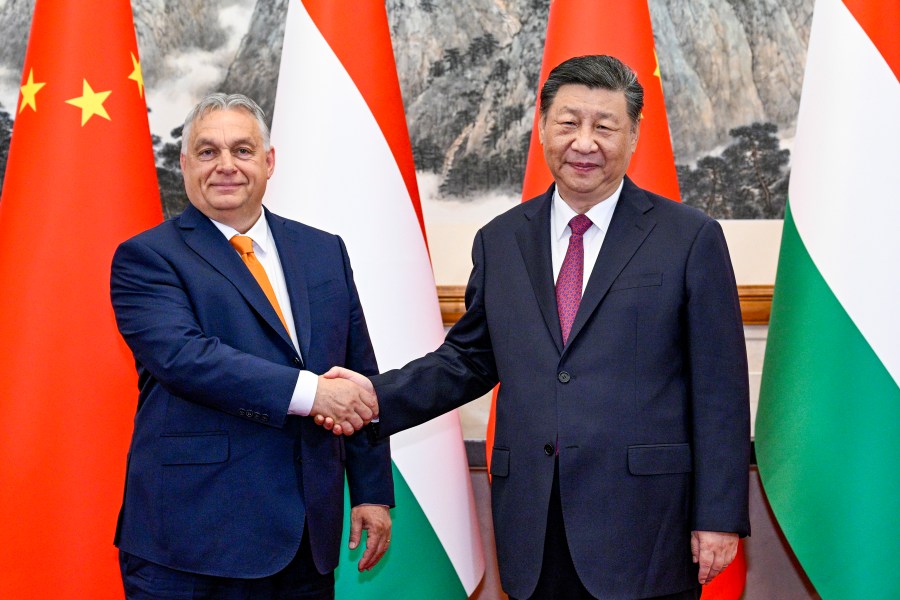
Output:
[[756, 303]]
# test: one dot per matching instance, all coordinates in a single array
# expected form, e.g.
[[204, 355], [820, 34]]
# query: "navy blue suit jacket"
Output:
[[220, 479], [648, 400]]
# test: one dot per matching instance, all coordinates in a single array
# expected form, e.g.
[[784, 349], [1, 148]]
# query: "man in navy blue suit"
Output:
[[230, 311], [609, 316]]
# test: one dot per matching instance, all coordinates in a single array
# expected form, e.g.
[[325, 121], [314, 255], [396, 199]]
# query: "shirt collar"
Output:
[[600, 214], [259, 233]]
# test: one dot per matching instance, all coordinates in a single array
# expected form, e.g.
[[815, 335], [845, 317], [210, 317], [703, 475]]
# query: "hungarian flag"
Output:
[[828, 426], [344, 164], [79, 180], [620, 29]]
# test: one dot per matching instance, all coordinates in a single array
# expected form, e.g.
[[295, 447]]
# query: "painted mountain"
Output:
[[731, 69]]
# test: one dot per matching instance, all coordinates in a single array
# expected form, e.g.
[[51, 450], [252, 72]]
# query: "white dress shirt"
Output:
[[560, 215], [267, 254]]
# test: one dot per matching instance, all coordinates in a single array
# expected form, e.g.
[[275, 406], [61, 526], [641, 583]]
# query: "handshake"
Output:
[[345, 401]]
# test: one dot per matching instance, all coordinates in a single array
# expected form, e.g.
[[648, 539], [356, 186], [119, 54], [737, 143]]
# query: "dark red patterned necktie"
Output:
[[571, 276]]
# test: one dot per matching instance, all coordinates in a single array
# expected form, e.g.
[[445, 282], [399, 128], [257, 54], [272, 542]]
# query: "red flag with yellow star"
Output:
[[80, 179], [624, 30], [620, 29]]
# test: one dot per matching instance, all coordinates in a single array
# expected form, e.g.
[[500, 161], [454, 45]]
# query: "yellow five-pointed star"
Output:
[[136, 75], [90, 103], [29, 92]]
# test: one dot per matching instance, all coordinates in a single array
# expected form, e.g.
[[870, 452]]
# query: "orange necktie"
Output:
[[244, 245]]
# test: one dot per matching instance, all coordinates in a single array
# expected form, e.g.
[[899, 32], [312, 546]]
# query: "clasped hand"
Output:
[[345, 401]]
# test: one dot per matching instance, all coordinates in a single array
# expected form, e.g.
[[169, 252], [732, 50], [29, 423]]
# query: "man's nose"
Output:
[[585, 140], [226, 162]]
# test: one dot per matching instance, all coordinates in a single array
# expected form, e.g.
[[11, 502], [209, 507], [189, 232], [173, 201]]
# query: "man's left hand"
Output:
[[713, 550], [376, 520]]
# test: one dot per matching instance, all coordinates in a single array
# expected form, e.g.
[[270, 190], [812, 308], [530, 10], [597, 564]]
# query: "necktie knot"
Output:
[[579, 224], [242, 244]]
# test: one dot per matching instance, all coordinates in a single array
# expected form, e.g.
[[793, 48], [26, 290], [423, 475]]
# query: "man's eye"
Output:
[[206, 153], [244, 152]]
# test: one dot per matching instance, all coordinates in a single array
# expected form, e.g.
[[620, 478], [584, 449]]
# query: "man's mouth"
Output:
[[583, 167]]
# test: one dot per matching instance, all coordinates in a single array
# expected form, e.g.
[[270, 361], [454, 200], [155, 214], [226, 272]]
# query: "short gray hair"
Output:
[[220, 101], [597, 71]]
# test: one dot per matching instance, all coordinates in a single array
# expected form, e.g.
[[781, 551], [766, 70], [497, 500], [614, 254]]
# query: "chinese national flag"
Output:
[[620, 29], [80, 179]]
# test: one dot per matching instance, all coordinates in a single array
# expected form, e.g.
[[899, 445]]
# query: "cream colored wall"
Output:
[[754, 249], [756, 350]]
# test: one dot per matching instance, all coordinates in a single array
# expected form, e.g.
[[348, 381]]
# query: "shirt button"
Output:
[[548, 449], [564, 377]]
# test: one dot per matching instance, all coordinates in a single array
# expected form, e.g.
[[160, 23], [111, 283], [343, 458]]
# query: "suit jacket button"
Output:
[[297, 360], [242, 412], [564, 377], [548, 449], [265, 418]]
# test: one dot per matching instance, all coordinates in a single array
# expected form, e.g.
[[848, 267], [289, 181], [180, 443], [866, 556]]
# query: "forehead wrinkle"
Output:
[[588, 111], [208, 141]]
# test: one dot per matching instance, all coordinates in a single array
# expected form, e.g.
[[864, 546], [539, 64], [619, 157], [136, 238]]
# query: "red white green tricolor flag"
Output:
[[344, 164], [828, 426]]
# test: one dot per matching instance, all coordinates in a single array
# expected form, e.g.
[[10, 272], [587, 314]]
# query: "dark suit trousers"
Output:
[[559, 580], [144, 580]]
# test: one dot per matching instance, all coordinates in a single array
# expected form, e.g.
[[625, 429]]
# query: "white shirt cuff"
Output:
[[304, 394]]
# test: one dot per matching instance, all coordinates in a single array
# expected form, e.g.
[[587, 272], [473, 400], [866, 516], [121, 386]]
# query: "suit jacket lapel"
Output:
[[289, 242], [203, 238], [629, 227], [534, 243]]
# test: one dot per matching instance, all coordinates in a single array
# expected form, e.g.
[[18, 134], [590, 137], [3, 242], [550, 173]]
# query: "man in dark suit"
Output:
[[230, 310], [610, 317]]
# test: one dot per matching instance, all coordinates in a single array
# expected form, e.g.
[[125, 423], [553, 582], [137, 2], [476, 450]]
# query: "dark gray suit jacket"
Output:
[[648, 401]]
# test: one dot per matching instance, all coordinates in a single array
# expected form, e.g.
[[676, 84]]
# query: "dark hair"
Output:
[[597, 71]]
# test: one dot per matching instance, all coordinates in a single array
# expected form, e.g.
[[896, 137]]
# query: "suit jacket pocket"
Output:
[[322, 291], [500, 462], [635, 281], [193, 448], [659, 459]]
